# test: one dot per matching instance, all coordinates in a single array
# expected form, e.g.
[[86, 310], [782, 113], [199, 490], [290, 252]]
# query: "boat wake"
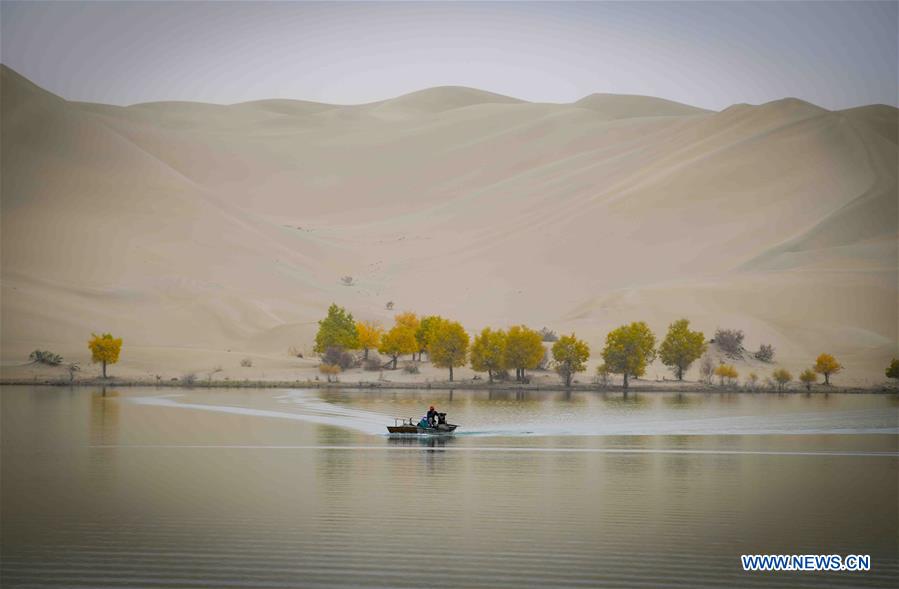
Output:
[[309, 409]]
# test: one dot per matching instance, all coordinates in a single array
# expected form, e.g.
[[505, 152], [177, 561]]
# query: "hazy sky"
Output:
[[835, 54]]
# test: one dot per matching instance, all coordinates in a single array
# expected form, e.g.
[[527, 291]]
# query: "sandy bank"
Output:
[[636, 387]]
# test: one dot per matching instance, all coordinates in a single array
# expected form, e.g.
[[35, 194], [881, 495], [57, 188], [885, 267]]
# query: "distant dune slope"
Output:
[[212, 227], [626, 106]]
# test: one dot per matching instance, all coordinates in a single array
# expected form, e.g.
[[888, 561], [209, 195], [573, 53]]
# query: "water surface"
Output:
[[269, 488]]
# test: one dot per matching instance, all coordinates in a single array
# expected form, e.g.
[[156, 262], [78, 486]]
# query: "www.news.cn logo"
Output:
[[806, 562]]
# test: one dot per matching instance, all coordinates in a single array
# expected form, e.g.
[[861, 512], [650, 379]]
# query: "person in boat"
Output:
[[432, 416]]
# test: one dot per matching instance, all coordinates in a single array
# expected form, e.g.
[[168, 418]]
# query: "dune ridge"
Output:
[[201, 233]]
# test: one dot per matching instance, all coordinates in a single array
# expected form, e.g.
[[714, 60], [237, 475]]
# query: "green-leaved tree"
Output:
[[337, 330], [892, 370]]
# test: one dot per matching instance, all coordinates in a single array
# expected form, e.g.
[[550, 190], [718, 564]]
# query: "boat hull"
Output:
[[402, 429], [444, 429]]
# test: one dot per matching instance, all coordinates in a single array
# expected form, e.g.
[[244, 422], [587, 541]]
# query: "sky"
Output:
[[708, 54]]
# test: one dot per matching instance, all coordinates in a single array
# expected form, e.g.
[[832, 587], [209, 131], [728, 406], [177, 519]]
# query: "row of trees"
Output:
[[446, 342], [628, 350], [825, 364], [495, 351]]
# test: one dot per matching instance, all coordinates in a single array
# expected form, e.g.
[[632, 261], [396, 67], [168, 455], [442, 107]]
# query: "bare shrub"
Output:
[[729, 341], [389, 305], [247, 362], [765, 353], [545, 361], [410, 367], [373, 364], [212, 372], [706, 368], [548, 335], [189, 379], [72, 367], [337, 356], [347, 281], [603, 376]]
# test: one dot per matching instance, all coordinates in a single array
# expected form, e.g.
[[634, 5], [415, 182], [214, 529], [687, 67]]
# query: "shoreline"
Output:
[[648, 387]]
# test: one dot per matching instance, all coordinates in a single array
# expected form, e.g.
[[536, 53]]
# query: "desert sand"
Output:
[[203, 234]]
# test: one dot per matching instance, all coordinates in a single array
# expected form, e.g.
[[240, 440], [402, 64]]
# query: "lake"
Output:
[[303, 488]]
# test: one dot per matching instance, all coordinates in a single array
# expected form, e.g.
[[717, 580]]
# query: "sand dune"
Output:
[[432, 101], [628, 106], [201, 233]]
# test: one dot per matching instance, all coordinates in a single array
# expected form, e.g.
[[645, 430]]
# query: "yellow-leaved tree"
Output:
[[752, 380], [681, 347], [524, 350], [782, 377], [570, 356], [629, 349], [448, 346], [488, 352], [808, 378], [410, 321], [329, 370], [827, 365], [104, 349], [398, 341], [369, 336], [425, 332], [726, 372]]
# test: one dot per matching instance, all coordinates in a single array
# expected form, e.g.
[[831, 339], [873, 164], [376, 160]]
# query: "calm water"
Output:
[[263, 488]]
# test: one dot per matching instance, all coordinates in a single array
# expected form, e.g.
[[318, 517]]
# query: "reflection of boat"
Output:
[[409, 427], [420, 441]]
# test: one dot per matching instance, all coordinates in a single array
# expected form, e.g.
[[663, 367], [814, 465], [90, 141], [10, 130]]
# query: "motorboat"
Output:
[[409, 426]]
